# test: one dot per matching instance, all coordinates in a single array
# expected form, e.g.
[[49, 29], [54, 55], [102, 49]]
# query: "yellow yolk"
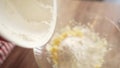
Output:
[[98, 66]]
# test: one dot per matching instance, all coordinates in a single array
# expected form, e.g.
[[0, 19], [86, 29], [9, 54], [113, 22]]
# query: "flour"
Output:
[[80, 52]]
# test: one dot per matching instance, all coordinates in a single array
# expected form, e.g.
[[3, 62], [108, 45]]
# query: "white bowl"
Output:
[[27, 23]]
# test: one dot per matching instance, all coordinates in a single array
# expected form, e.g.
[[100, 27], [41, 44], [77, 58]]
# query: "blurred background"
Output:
[[110, 1]]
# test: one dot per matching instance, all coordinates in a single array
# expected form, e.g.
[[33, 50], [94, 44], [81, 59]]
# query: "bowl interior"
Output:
[[100, 24]]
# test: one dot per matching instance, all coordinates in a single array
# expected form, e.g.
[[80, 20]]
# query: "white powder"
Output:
[[85, 52]]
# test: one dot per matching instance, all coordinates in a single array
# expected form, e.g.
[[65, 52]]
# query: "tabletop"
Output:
[[67, 10]]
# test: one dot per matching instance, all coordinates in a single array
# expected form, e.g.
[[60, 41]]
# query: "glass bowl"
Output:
[[100, 24]]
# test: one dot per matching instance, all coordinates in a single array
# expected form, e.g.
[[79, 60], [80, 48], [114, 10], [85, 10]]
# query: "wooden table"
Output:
[[67, 10]]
